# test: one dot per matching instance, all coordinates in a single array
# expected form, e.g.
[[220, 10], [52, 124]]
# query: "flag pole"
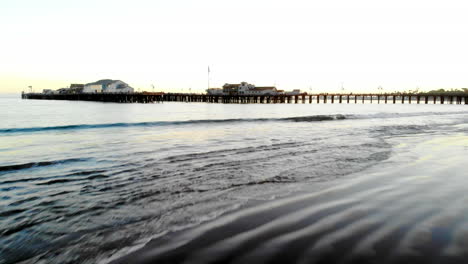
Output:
[[208, 77]]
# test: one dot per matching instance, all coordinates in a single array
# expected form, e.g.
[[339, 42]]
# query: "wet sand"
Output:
[[407, 214]]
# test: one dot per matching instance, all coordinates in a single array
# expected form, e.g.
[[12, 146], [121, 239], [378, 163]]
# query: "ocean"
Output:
[[90, 182]]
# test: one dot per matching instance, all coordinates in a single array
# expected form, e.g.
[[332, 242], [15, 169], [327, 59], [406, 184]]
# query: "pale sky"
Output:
[[295, 44]]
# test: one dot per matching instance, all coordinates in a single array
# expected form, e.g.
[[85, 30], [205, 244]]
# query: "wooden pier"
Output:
[[146, 97]]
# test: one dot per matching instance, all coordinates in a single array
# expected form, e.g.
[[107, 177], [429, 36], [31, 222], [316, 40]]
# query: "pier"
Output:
[[145, 97]]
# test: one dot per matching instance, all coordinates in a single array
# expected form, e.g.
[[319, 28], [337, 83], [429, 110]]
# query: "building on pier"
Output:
[[76, 88], [62, 91], [266, 90], [245, 88], [236, 88], [49, 91], [101, 86], [107, 86], [92, 88], [214, 91], [294, 92]]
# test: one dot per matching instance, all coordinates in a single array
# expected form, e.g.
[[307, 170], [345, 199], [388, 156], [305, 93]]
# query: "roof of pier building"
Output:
[[76, 85], [104, 82], [107, 82], [236, 85], [231, 85], [264, 88]]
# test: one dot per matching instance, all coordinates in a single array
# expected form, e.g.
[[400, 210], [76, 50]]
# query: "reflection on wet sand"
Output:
[[412, 214]]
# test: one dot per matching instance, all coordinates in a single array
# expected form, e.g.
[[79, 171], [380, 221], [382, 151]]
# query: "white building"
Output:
[[294, 92], [118, 87], [107, 86], [245, 88], [92, 88], [268, 90]]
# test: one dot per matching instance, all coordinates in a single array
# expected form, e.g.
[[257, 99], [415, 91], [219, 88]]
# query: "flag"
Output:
[[29, 87]]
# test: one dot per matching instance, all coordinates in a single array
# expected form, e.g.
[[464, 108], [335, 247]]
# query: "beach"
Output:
[[175, 182], [411, 214]]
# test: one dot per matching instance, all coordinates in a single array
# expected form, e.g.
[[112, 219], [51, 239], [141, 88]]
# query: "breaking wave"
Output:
[[311, 118], [168, 123], [15, 167]]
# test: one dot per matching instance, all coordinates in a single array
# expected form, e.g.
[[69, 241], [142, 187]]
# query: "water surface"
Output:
[[88, 182]]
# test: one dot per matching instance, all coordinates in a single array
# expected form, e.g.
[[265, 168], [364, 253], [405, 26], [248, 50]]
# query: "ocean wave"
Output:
[[15, 167], [313, 118]]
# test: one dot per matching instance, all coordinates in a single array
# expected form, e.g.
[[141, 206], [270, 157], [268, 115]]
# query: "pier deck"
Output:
[[390, 98]]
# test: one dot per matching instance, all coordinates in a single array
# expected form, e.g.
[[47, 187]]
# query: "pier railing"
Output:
[[385, 98]]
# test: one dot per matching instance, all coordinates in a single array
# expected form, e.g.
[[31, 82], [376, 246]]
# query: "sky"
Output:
[[315, 46]]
